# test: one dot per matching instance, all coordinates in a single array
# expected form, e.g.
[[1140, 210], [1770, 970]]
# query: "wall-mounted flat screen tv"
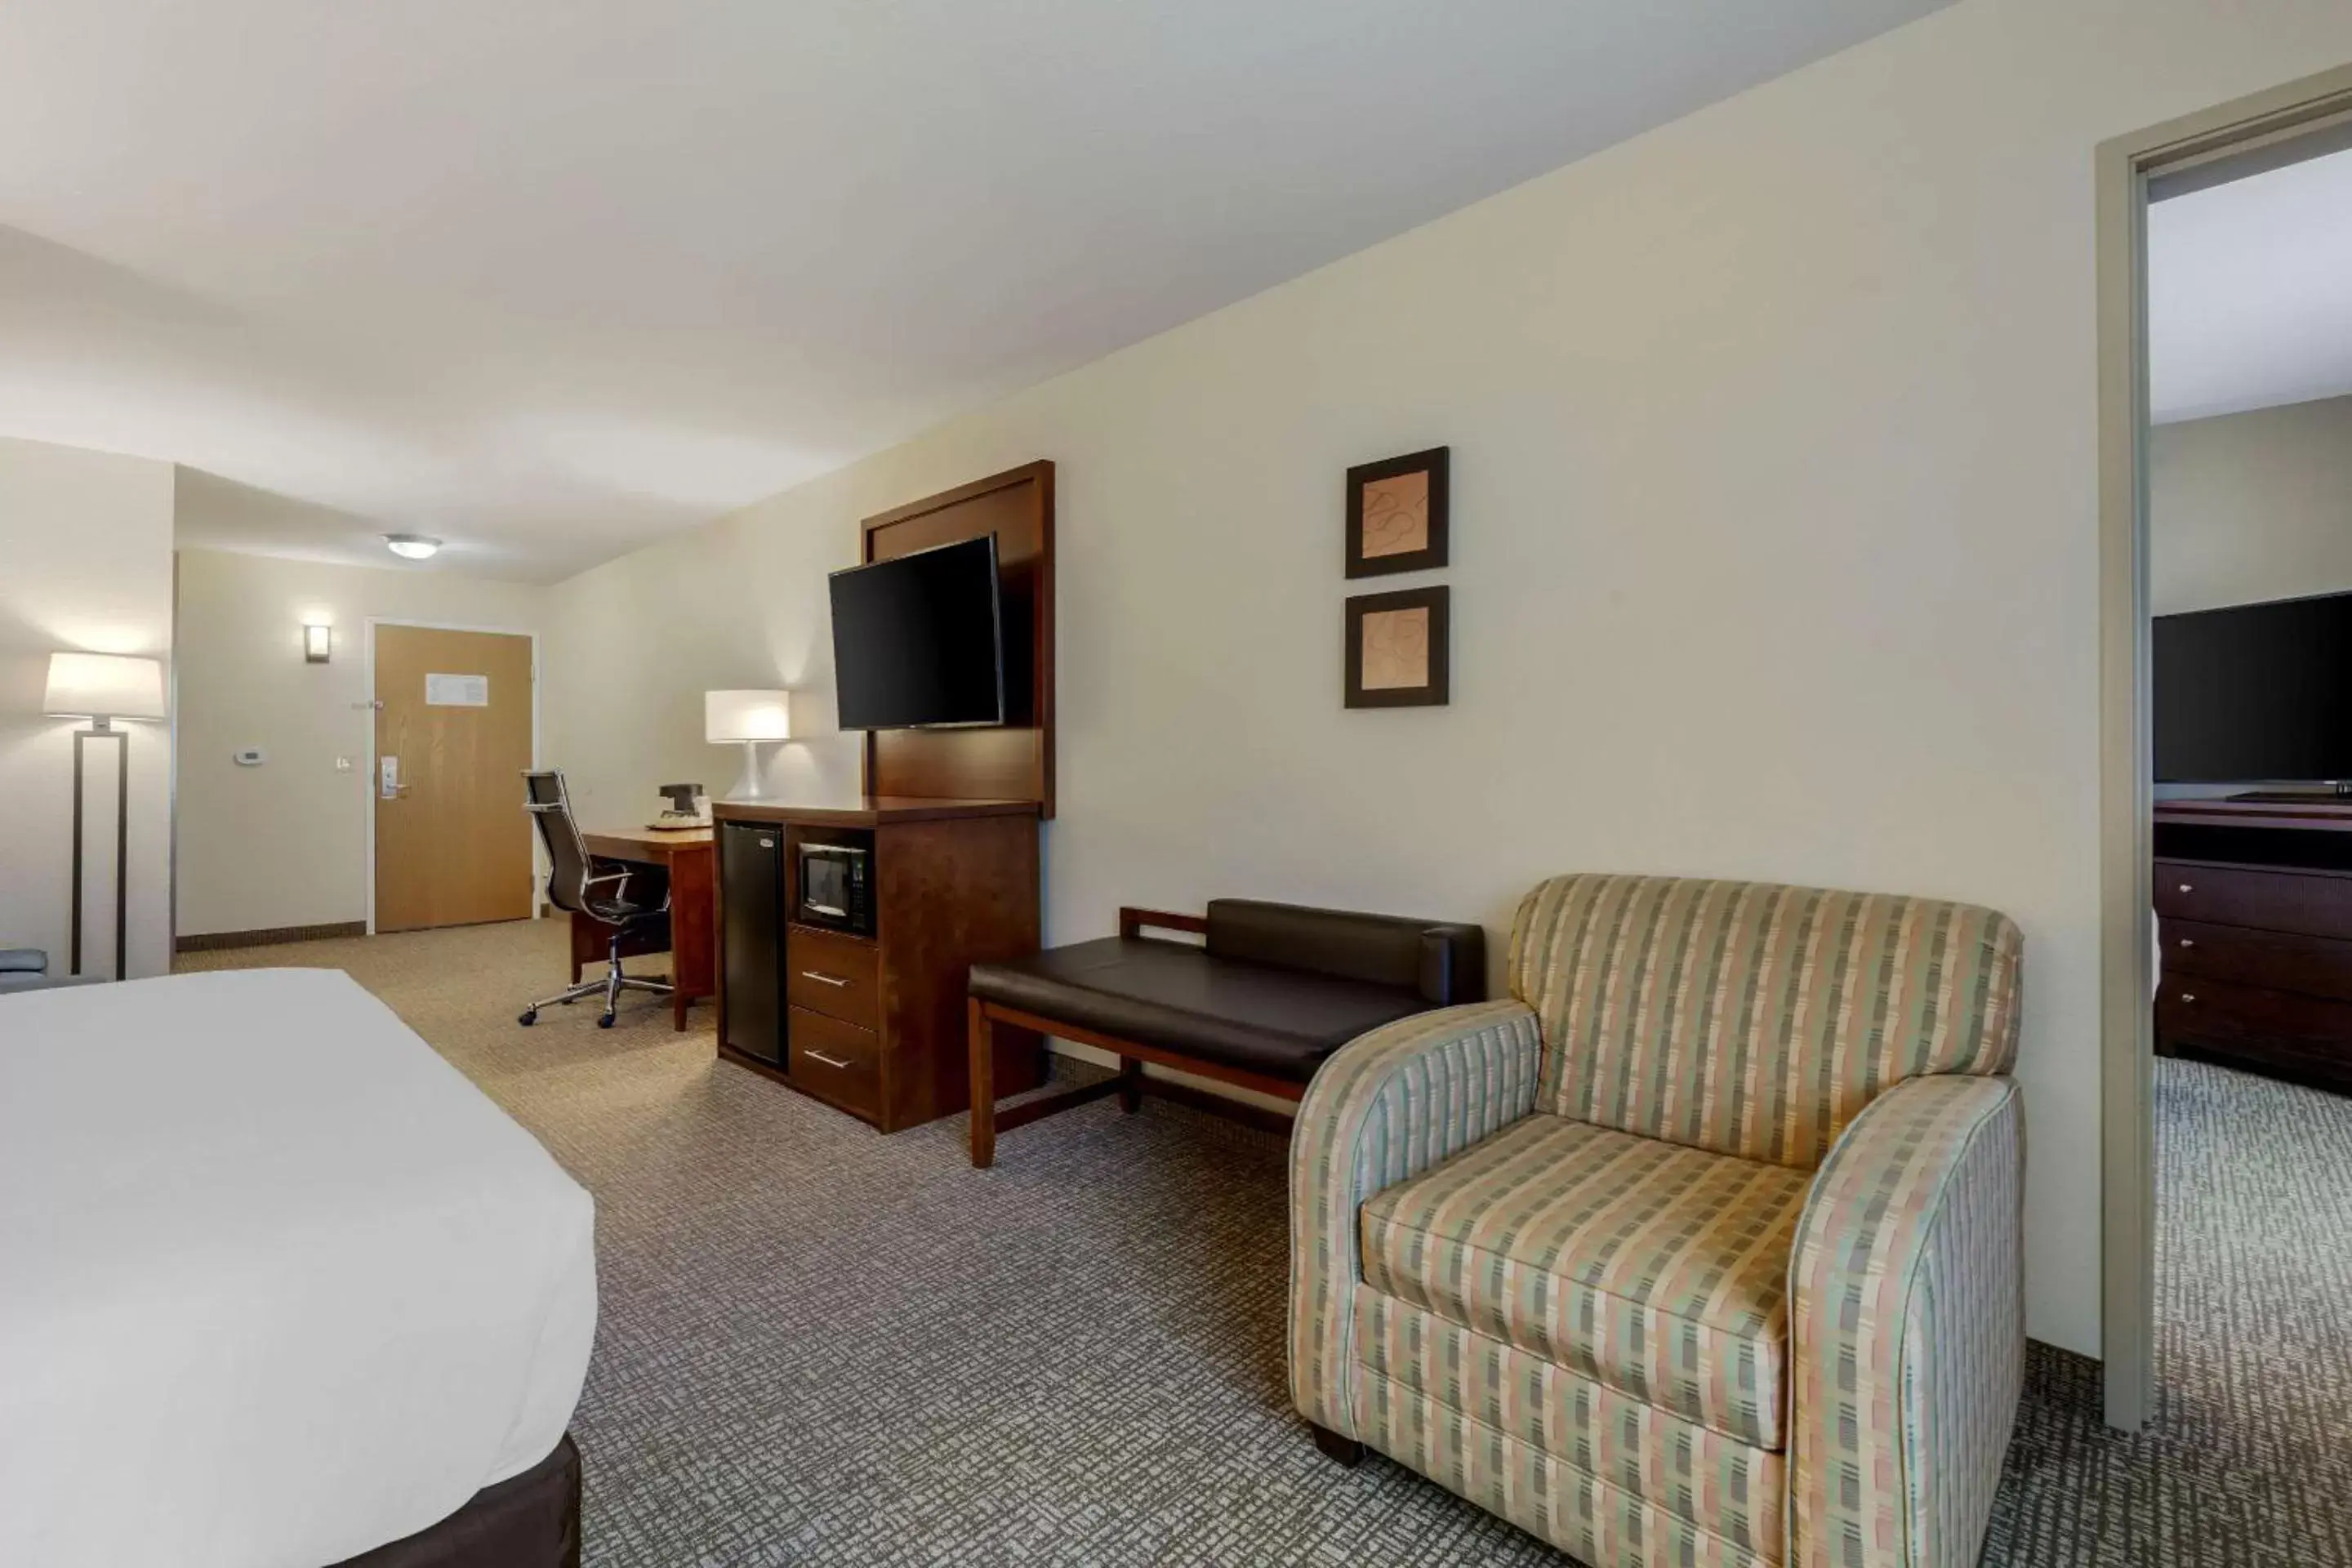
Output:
[[2255, 693], [918, 640]]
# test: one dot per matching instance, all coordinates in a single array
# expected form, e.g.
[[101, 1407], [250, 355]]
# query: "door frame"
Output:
[[374, 777], [2265, 128]]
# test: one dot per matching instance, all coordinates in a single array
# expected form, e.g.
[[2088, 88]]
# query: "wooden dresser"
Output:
[[874, 1025], [2255, 902]]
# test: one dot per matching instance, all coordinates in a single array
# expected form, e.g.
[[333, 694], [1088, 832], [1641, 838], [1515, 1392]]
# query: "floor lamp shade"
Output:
[[749, 717], [103, 686]]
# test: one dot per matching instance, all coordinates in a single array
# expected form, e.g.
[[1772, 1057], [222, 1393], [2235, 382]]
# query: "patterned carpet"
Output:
[[822, 1346]]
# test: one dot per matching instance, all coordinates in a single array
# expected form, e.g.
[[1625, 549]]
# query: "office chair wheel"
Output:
[[529, 1015], [603, 1020]]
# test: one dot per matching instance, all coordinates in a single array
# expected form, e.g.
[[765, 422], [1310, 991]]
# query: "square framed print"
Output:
[[1397, 648], [1397, 514]]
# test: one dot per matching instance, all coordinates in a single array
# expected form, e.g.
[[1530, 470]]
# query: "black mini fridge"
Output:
[[752, 870]]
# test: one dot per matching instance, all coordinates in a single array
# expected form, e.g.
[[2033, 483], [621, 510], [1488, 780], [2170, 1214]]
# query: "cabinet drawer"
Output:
[[2312, 903], [838, 976], [840, 1062], [2304, 1038], [2274, 961]]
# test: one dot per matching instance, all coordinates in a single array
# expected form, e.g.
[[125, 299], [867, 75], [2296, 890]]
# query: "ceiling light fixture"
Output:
[[415, 546]]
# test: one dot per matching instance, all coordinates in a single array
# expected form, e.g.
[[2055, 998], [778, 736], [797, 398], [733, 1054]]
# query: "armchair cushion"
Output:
[[1654, 1270]]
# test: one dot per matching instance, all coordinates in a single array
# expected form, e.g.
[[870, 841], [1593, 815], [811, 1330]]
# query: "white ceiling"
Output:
[[549, 278], [2249, 292]]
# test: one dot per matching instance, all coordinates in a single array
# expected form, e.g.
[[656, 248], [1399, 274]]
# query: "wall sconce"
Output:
[[318, 643]]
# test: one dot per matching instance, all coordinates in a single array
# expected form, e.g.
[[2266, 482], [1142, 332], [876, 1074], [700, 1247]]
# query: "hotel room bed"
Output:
[[279, 1289]]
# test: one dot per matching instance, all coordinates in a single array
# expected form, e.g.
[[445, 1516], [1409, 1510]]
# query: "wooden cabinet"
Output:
[[874, 1025], [2254, 901]]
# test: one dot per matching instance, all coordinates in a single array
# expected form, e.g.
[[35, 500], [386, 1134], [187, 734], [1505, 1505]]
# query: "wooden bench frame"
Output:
[[987, 1120]]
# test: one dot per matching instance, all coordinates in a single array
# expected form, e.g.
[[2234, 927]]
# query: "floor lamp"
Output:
[[103, 688]]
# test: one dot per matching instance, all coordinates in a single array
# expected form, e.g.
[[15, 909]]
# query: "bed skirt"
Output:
[[530, 1520]]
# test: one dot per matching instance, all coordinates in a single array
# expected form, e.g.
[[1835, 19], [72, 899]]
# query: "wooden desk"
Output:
[[688, 855]]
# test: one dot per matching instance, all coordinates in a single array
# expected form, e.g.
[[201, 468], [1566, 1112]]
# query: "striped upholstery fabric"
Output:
[[1657, 1270], [1754, 1019], [1388, 1104], [1417, 1368], [1909, 1332], [1706, 1249], [1547, 1496]]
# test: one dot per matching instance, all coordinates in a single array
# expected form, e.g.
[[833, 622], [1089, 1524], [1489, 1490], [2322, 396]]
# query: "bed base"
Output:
[[530, 1520]]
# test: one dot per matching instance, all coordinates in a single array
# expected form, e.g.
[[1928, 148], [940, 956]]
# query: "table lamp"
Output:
[[103, 687], [749, 716]]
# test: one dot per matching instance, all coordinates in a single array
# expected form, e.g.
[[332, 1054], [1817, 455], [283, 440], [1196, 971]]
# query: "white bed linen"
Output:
[[278, 1285]]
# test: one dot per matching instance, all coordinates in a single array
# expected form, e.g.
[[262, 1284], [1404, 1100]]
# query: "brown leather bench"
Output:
[[1271, 990]]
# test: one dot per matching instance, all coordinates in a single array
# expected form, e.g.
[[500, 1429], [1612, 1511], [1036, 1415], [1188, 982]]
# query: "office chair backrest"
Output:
[[550, 805]]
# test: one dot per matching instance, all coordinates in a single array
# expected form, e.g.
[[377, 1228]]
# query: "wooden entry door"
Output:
[[452, 740]]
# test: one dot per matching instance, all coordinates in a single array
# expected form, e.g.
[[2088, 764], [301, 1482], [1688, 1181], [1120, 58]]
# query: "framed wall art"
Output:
[[1397, 514], [1397, 648]]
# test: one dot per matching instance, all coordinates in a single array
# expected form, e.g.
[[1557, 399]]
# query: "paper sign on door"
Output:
[[457, 691]]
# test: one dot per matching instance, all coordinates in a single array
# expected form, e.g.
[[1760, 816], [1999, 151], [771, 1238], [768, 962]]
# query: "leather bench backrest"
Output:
[[1445, 961]]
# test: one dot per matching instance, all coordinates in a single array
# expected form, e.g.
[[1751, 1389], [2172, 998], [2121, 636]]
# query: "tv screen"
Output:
[[2255, 693], [916, 639]]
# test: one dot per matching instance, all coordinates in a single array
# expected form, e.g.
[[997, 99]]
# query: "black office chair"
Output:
[[600, 890]]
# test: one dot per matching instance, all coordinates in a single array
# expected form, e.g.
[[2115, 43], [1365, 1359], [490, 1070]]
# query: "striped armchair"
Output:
[[1704, 1248]]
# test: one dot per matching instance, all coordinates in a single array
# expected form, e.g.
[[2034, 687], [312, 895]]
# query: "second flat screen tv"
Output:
[[917, 639], [2255, 693]]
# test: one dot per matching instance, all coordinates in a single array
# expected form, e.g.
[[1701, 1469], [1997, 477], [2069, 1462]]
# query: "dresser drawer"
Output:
[[2308, 1039], [2274, 961], [838, 976], [838, 1061], [2313, 903]]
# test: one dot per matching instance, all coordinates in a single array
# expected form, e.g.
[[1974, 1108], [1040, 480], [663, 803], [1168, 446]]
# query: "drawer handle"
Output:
[[827, 979], [2187, 888], [829, 1061], [2189, 942]]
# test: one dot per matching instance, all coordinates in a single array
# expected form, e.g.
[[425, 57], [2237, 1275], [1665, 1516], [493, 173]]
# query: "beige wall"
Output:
[[85, 562], [284, 844], [1775, 535], [2249, 507]]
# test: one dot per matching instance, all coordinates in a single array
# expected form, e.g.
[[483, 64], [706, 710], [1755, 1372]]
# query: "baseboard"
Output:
[[1206, 1089], [212, 940], [1247, 1113]]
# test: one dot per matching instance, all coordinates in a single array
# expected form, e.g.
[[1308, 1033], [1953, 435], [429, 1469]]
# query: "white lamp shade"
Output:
[[746, 716], [104, 686]]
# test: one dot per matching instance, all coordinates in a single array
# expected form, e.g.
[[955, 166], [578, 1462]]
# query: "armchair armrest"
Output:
[[1385, 1107], [1907, 1327]]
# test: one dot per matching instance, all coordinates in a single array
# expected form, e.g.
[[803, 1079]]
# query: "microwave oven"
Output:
[[836, 887]]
